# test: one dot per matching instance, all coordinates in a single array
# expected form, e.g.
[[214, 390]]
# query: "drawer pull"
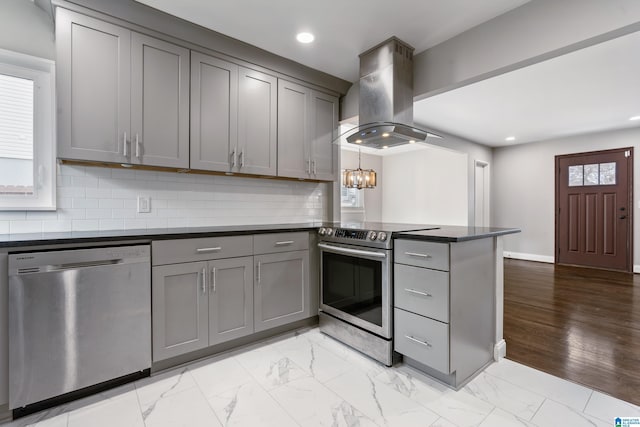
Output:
[[424, 343], [284, 243], [413, 291], [417, 255], [206, 250]]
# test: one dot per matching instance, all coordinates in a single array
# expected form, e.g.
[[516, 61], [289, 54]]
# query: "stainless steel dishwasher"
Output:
[[77, 318]]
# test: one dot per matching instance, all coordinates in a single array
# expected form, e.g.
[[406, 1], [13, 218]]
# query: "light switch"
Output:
[[144, 204]]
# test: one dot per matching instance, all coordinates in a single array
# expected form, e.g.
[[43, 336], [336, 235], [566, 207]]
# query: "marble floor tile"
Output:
[[313, 358], [154, 388], [501, 418], [249, 405], [554, 414], [270, 367], [442, 422], [384, 405], [41, 419], [311, 404], [570, 394], [188, 408], [215, 377], [516, 400], [123, 410], [607, 408]]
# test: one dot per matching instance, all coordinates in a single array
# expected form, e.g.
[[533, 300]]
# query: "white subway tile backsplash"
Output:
[[96, 198]]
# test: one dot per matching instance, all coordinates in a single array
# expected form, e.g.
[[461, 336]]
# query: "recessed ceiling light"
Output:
[[510, 138], [305, 37], [634, 118], [413, 141], [385, 146], [358, 141], [384, 135]]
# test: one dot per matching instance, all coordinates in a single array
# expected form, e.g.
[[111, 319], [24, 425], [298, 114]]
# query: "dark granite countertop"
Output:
[[33, 239], [452, 233]]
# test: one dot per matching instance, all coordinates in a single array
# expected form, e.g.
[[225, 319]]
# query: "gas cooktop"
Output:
[[370, 234]]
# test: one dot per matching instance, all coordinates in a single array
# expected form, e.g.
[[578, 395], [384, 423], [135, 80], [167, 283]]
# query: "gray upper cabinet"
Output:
[[307, 125], [281, 289], [324, 126], [160, 103], [230, 299], [122, 96], [214, 113], [233, 117], [257, 122], [180, 309], [93, 88]]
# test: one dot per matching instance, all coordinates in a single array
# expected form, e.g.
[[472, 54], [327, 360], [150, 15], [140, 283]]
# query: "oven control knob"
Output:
[[329, 231], [382, 236], [373, 235], [322, 231]]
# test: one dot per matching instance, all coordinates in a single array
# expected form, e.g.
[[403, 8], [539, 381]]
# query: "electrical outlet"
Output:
[[144, 204]]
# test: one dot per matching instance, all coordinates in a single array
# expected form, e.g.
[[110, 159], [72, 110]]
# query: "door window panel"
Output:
[[592, 174], [576, 174], [608, 173]]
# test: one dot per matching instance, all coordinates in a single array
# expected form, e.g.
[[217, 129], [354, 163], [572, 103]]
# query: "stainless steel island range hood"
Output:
[[386, 98]]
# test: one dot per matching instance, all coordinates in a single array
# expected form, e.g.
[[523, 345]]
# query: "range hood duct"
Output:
[[386, 98]]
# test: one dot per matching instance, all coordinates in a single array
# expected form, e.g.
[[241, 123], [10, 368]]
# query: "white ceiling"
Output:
[[343, 29], [593, 89]]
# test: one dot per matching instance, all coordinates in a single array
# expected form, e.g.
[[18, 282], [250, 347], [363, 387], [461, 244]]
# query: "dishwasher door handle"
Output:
[[69, 266]]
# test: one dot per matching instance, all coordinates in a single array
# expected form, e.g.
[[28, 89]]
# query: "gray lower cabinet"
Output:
[[122, 96], [444, 306], [307, 126], [281, 289], [180, 309], [230, 299], [233, 117]]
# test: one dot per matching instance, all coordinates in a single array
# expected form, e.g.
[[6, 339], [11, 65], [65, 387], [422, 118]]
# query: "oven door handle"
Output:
[[340, 249]]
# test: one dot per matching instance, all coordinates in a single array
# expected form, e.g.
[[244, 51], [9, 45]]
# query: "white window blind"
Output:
[[16, 117]]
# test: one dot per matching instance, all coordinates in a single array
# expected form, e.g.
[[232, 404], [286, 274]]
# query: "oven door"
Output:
[[355, 286]]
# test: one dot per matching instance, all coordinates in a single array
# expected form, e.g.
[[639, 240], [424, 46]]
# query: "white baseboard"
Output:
[[529, 257], [500, 350], [636, 268]]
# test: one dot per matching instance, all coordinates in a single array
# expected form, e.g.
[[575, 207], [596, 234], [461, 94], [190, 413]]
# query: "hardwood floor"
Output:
[[575, 323]]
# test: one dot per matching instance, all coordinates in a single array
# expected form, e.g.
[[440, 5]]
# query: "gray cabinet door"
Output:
[[93, 88], [294, 154], [179, 309], [230, 299], [257, 122], [324, 124], [214, 113], [160, 103], [281, 289]]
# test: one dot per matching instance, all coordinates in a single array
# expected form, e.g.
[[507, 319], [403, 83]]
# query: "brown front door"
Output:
[[594, 209]]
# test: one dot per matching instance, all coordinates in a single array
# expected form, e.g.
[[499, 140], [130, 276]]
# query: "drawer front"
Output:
[[422, 291], [188, 250], [280, 242], [422, 254], [422, 339]]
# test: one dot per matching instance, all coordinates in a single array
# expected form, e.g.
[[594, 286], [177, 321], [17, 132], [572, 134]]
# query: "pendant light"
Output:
[[359, 178]]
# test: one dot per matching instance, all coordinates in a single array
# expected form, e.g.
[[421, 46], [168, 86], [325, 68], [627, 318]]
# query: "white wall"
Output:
[[429, 186], [523, 188], [524, 34], [95, 198], [372, 196], [26, 28]]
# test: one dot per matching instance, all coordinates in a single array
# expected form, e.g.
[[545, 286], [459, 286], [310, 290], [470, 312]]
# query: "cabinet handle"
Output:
[[284, 243], [413, 291], [213, 279], [137, 146], [241, 157], [206, 250], [313, 162], [204, 280], [259, 267], [124, 145], [233, 159], [417, 255], [309, 165], [424, 343]]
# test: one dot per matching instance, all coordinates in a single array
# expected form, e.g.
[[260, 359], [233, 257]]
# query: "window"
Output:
[[351, 198], [594, 174], [27, 132]]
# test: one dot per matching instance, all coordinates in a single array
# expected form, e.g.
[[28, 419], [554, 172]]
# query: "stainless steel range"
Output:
[[356, 268]]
